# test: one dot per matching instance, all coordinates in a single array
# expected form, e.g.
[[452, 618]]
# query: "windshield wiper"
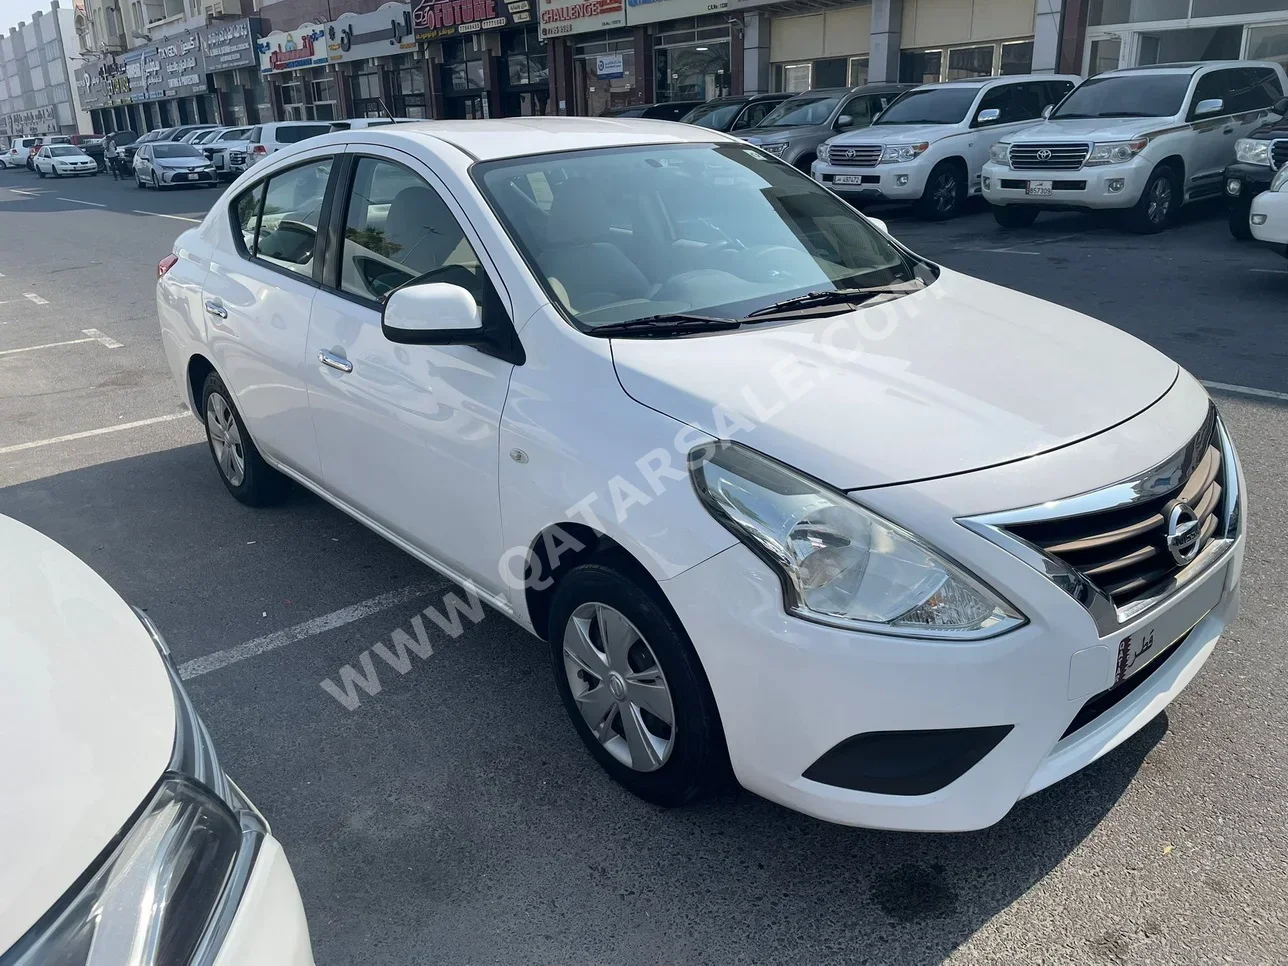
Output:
[[838, 296], [677, 323]]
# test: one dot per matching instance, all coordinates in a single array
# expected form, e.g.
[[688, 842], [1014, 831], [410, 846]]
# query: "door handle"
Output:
[[214, 308], [335, 361], [1228, 130]]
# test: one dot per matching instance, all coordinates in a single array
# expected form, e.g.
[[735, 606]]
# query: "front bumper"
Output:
[[790, 691], [883, 182], [1101, 186], [269, 928], [67, 169], [1242, 182], [1271, 207], [185, 177]]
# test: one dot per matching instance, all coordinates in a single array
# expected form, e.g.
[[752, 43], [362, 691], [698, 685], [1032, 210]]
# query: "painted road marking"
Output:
[[119, 427], [107, 340], [319, 625], [34, 297], [195, 221], [47, 345], [1245, 390], [82, 202], [1270, 271], [1003, 251], [19, 191]]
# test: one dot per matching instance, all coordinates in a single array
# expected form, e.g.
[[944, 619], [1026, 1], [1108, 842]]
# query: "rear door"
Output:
[[257, 299]]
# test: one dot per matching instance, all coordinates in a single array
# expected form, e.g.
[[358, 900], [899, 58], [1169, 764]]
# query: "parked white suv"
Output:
[[928, 146], [899, 545], [19, 151], [1144, 140], [265, 139], [228, 151]]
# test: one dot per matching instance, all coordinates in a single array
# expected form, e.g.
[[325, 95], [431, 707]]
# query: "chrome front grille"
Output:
[[1124, 551], [855, 155], [1279, 153], [1049, 157]]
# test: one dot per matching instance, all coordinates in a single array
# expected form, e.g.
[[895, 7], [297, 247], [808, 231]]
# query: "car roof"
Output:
[[1189, 66], [1003, 79], [485, 140]]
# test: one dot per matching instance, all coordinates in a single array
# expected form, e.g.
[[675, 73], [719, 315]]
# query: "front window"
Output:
[[1126, 95], [175, 149], [804, 109], [936, 105], [718, 230]]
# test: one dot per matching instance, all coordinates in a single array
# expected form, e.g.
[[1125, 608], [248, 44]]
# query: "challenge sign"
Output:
[[436, 19]]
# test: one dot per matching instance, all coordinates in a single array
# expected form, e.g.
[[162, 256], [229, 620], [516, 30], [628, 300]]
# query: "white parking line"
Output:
[[1245, 390], [19, 191], [1003, 251], [80, 201], [319, 625], [107, 340], [47, 345], [119, 427], [1270, 271], [34, 297], [195, 221]]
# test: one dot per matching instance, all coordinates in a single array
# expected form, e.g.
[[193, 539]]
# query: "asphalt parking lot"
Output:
[[453, 817]]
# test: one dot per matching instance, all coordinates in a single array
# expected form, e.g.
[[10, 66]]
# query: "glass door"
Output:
[[1103, 53]]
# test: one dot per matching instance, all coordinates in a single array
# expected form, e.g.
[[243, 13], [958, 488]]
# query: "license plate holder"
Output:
[[1037, 188], [847, 179], [183, 177], [1138, 649]]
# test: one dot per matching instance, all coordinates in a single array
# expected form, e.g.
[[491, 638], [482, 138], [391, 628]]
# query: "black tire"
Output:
[[944, 194], [698, 763], [1158, 202], [805, 162], [1014, 216], [260, 484], [1240, 212], [41, 173], [138, 182], [56, 174], [156, 182]]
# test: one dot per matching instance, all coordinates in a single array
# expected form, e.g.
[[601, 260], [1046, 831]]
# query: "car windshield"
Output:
[[237, 134], [932, 105], [201, 137], [801, 110], [1126, 95], [620, 234], [717, 115], [175, 149], [66, 151]]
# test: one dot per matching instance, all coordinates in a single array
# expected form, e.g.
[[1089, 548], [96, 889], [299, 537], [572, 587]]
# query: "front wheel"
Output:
[[156, 182], [1157, 203], [1240, 212], [1014, 216], [243, 471], [39, 172], [633, 686], [944, 194]]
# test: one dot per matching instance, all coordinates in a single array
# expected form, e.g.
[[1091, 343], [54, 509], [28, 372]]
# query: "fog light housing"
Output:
[[1258, 219], [988, 184], [1233, 186], [901, 181], [1117, 184]]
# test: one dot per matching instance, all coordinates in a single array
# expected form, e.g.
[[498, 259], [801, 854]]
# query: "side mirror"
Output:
[[1280, 106], [989, 115], [1210, 105], [1046, 111], [844, 121], [435, 313], [878, 224]]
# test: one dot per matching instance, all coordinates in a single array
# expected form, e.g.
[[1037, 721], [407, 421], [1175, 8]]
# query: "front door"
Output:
[[408, 434], [1213, 135]]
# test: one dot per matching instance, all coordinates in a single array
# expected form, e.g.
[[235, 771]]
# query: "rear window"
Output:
[[256, 134], [289, 135]]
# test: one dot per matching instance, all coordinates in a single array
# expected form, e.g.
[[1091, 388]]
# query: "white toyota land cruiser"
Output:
[[1144, 140]]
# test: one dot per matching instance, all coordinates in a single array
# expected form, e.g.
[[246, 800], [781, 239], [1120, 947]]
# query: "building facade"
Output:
[[37, 61]]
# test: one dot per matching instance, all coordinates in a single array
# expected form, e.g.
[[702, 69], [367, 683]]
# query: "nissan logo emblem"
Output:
[[1044, 154], [1183, 532]]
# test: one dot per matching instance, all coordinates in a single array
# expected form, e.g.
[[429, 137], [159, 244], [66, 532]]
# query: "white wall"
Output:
[[835, 33], [935, 23]]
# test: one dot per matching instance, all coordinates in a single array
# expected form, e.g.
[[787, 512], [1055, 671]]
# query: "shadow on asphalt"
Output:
[[457, 812]]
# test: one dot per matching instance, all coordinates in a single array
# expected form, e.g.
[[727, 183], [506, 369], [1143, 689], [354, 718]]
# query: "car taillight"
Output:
[[166, 264], [259, 149]]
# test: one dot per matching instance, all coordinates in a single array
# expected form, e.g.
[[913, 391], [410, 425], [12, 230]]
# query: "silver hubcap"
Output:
[[1160, 200], [225, 439], [946, 192], [618, 686]]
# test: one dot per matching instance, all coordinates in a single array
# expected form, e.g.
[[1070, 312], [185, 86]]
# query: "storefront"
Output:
[[40, 120], [160, 85], [525, 74], [240, 92], [485, 56], [604, 74], [691, 57], [296, 63]]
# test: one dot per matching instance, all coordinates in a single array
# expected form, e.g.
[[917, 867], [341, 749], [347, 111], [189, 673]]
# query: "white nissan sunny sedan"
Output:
[[897, 546], [126, 842]]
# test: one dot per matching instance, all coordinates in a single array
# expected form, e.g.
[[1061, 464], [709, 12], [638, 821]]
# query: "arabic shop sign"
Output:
[[379, 33], [173, 68], [305, 46], [102, 84], [436, 19], [230, 46], [177, 69], [40, 120], [562, 17]]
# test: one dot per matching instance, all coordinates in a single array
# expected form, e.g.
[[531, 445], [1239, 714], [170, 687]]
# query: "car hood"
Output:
[[1091, 129], [959, 376], [189, 162], [777, 135], [897, 134], [87, 716], [77, 158]]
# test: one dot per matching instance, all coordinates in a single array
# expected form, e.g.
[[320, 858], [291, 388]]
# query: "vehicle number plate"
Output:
[[1146, 642], [848, 179], [1038, 188]]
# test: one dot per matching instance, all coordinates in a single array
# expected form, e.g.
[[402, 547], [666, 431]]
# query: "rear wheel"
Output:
[[1157, 202], [1014, 216], [244, 472], [944, 194]]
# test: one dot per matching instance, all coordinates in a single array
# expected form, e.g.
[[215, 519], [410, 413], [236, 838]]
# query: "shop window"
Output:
[[594, 93], [526, 61], [1017, 57], [1105, 55], [965, 62], [858, 71], [792, 78], [830, 73], [920, 66], [409, 86], [1223, 8], [463, 64], [1269, 43]]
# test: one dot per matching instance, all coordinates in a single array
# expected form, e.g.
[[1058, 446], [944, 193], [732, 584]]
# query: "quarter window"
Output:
[[398, 229]]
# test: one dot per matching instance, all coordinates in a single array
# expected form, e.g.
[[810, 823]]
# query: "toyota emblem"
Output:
[[1182, 533], [1044, 154]]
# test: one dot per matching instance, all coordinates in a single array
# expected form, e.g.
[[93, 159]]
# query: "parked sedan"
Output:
[[734, 113], [164, 164], [126, 841], [661, 111], [600, 388], [63, 160]]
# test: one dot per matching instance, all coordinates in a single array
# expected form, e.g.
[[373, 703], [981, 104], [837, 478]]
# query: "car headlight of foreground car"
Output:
[[1115, 152], [840, 563], [895, 153], [1252, 151], [165, 892]]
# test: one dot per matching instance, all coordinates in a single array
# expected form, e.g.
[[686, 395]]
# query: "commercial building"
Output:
[[37, 60]]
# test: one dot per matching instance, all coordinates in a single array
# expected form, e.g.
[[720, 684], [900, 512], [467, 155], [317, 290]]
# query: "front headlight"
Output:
[[824, 151], [1252, 151], [777, 150], [1000, 153], [840, 563], [1115, 152], [1280, 180], [902, 152]]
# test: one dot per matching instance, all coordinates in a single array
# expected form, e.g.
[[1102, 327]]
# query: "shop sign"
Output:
[[610, 66], [562, 17], [40, 120], [380, 33], [178, 68], [102, 84], [436, 19], [229, 46], [173, 68], [305, 46], [651, 11]]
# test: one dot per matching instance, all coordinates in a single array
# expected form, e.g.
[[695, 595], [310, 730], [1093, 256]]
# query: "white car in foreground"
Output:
[[1269, 218], [127, 842], [63, 161], [899, 545]]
